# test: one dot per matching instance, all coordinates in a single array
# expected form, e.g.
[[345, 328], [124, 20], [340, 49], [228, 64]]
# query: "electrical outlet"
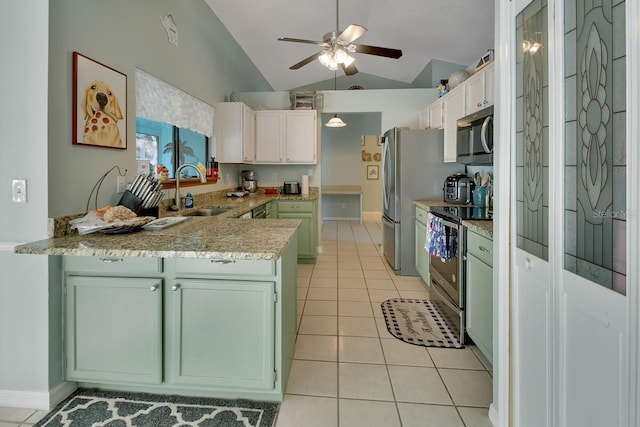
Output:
[[274, 176], [121, 184], [19, 190]]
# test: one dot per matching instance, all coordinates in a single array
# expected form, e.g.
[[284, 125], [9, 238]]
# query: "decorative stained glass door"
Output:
[[533, 338]]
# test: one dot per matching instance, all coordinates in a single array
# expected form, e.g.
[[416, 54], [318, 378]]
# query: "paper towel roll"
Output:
[[305, 184]]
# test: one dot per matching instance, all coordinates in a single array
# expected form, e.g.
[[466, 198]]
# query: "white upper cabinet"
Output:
[[436, 114], [454, 109], [301, 137], [249, 135], [270, 134], [234, 132], [286, 136], [479, 90]]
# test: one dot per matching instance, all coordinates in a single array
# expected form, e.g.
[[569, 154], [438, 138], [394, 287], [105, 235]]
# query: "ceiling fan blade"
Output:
[[306, 61], [379, 51], [351, 33], [350, 70], [318, 43]]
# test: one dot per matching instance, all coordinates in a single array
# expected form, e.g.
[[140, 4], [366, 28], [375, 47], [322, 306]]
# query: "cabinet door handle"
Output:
[[153, 288], [483, 249], [175, 287], [110, 260], [528, 264], [222, 261], [295, 207]]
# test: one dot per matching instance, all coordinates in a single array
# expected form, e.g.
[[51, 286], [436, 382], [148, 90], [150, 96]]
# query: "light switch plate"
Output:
[[19, 190]]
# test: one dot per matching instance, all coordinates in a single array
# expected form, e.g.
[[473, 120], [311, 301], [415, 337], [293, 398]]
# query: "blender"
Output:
[[249, 182]]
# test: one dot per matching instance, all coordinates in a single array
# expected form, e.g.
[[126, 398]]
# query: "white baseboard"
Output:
[[41, 400], [493, 416]]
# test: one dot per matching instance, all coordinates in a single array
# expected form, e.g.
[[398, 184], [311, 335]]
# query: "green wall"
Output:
[[35, 144], [207, 63], [24, 295]]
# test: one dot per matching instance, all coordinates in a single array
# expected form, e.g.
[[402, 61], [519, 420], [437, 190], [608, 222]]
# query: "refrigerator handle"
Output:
[[385, 197]]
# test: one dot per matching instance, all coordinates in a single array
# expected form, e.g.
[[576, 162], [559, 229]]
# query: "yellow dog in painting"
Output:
[[101, 114]]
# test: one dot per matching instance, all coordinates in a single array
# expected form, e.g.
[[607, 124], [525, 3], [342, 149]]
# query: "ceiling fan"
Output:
[[337, 46]]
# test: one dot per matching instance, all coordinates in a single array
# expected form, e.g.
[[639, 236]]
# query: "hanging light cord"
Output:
[[97, 185]]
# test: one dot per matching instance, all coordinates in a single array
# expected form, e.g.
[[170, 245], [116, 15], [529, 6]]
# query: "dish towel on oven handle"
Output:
[[441, 241]]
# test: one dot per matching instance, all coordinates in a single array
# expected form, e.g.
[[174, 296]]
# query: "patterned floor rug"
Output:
[[88, 407], [419, 322]]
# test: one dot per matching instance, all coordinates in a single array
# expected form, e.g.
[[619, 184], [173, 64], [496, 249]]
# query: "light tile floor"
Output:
[[348, 370]]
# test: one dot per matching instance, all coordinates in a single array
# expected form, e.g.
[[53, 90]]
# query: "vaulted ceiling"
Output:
[[455, 31]]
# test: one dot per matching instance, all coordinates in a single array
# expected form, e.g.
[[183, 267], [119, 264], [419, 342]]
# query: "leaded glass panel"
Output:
[[595, 159], [532, 130]]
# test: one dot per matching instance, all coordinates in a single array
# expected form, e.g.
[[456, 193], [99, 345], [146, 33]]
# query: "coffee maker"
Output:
[[248, 181]]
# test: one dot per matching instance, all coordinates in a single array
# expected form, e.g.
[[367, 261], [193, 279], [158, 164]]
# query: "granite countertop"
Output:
[[223, 236], [484, 228], [196, 237], [240, 205]]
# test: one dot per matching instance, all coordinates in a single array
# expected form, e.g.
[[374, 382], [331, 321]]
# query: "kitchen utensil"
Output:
[[485, 179], [476, 178]]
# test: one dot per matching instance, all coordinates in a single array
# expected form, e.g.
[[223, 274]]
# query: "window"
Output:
[[172, 127], [170, 146]]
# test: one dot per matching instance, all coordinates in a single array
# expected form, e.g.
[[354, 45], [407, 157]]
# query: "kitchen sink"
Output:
[[210, 211]]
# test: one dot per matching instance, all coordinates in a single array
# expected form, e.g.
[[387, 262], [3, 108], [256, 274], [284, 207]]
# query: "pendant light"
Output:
[[335, 121]]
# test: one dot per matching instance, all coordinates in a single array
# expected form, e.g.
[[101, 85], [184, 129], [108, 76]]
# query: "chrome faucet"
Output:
[[203, 179]]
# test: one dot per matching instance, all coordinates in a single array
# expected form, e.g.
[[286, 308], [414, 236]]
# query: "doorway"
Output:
[[345, 187]]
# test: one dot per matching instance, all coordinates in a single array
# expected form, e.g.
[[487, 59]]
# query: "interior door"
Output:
[[569, 277], [591, 303], [533, 287]]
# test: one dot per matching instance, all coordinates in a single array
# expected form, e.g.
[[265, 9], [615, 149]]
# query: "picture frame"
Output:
[[99, 104], [373, 172]]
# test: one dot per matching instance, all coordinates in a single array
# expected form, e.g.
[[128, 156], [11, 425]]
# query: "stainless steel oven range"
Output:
[[448, 280]]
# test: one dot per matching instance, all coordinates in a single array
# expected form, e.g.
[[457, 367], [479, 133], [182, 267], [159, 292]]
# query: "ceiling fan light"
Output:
[[325, 58], [335, 122], [340, 56], [348, 60], [333, 64]]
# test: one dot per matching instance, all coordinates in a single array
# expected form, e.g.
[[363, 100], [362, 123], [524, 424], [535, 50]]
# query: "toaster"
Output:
[[458, 189], [291, 187]]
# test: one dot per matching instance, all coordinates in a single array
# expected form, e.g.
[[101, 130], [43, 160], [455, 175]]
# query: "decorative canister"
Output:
[[234, 97]]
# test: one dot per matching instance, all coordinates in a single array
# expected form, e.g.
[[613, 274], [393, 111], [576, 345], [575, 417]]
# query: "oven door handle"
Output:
[[445, 222]]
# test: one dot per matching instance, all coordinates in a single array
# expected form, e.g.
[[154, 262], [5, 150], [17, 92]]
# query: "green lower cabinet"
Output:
[[205, 327], [223, 333], [422, 256], [305, 211], [114, 329], [479, 309]]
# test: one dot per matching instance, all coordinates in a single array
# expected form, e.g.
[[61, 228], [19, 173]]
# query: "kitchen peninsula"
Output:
[[205, 307]]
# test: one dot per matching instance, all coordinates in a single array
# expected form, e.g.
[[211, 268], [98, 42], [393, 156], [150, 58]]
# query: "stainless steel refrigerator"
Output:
[[412, 169]]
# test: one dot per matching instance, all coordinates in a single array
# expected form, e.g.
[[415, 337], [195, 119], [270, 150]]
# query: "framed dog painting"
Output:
[[99, 104]]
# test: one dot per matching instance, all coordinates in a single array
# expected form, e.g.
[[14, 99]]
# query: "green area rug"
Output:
[[88, 407]]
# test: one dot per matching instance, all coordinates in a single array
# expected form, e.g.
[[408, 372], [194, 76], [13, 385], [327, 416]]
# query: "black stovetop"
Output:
[[458, 213]]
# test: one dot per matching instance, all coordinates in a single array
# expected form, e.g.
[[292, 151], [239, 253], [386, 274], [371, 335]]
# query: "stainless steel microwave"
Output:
[[474, 138]]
